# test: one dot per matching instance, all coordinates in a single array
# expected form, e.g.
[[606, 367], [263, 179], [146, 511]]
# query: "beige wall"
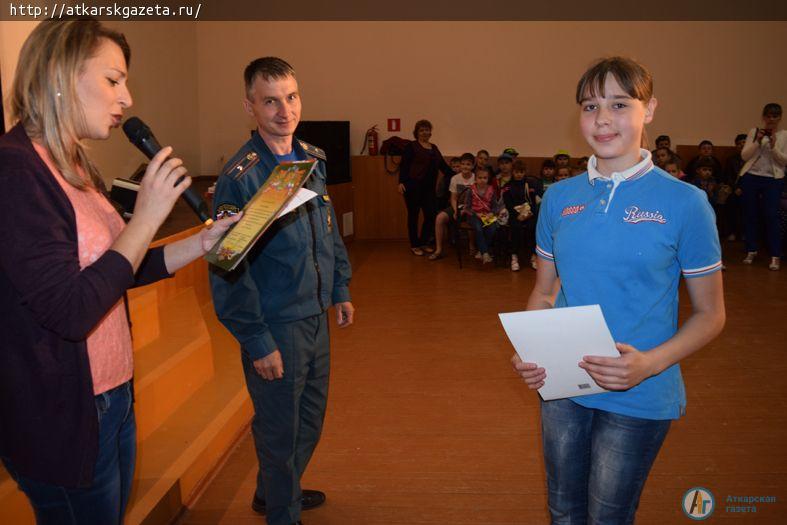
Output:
[[482, 84], [493, 84], [162, 83]]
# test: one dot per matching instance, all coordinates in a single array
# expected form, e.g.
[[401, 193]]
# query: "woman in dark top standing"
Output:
[[421, 160], [67, 431]]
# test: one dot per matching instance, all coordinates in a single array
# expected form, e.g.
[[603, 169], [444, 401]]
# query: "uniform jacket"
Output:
[[297, 269], [48, 306]]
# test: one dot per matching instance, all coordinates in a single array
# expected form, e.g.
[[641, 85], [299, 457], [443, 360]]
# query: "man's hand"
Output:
[[271, 366], [344, 314]]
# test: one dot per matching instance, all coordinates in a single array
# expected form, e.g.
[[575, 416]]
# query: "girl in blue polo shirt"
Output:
[[621, 236]]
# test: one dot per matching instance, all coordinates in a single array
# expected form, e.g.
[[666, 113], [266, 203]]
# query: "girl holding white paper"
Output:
[[621, 235]]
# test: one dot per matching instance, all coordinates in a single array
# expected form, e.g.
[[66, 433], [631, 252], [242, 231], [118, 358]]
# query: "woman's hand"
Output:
[[530, 372], [208, 236], [619, 373], [401, 189], [158, 192]]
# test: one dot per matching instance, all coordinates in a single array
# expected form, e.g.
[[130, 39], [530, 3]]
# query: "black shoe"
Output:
[[310, 499]]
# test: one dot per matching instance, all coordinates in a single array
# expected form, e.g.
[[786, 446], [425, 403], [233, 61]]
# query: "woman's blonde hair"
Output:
[[44, 98]]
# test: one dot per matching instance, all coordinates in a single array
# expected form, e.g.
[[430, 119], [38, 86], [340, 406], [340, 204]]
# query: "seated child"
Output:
[[456, 188], [521, 212], [481, 206]]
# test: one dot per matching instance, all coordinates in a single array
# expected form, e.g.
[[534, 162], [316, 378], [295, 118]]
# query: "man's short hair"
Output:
[[706, 143], [740, 136], [267, 68], [662, 138]]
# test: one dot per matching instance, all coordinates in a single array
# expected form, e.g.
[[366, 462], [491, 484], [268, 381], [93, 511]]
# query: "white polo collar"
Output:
[[634, 172]]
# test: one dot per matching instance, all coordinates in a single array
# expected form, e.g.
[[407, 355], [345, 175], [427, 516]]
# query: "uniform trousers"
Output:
[[289, 413]]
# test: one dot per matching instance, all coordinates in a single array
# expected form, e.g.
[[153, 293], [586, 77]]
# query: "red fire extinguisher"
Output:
[[370, 141]]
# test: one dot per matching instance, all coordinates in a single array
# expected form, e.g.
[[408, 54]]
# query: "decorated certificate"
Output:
[[260, 212]]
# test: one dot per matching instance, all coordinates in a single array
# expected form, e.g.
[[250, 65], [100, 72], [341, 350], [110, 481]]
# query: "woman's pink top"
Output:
[[109, 345]]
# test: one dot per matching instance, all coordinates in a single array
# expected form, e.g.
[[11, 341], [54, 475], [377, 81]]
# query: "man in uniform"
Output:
[[275, 303]]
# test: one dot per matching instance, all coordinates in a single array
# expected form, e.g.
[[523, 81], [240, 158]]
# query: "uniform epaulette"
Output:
[[314, 151], [243, 165]]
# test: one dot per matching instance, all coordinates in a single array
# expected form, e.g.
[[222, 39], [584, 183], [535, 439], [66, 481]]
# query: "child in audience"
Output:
[[563, 173], [481, 206], [663, 141], [673, 168], [562, 158], [521, 215], [456, 164], [732, 223], [705, 152], [504, 164], [481, 159], [661, 156], [583, 164], [547, 173], [456, 189], [704, 180], [441, 188]]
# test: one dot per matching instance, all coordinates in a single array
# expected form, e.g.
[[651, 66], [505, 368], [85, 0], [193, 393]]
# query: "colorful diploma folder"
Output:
[[260, 212]]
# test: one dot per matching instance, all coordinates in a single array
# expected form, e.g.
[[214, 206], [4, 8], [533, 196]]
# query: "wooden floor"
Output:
[[428, 424]]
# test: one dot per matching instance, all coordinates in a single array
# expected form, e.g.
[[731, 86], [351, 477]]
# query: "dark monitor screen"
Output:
[[333, 137]]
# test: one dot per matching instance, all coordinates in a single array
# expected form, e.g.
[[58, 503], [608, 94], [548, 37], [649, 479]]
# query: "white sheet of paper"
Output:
[[301, 197], [557, 339]]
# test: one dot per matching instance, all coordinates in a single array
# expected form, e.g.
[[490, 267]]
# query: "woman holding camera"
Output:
[[762, 177]]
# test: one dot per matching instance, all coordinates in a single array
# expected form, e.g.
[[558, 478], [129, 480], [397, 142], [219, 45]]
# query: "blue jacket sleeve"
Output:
[[235, 294], [342, 271]]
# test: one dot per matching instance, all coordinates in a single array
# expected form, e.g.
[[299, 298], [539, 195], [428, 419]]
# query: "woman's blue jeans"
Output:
[[761, 196], [596, 462], [103, 502]]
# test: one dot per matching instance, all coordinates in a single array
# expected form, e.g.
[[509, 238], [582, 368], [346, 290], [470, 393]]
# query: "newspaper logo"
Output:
[[698, 503]]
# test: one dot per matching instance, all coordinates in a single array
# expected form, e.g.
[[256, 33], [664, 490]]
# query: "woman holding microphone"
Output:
[[67, 431]]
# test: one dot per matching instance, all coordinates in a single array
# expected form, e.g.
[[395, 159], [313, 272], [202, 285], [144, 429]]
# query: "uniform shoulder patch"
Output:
[[312, 150], [226, 210], [239, 168]]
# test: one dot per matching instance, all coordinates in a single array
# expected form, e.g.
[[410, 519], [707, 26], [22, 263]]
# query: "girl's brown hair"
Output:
[[632, 77], [44, 98]]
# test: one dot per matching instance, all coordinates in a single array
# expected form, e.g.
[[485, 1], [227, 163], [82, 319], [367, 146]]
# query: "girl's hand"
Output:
[[619, 373], [208, 236], [530, 372], [760, 134], [401, 189]]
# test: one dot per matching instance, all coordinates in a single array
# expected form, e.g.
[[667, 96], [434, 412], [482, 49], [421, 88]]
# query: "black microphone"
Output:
[[140, 135]]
